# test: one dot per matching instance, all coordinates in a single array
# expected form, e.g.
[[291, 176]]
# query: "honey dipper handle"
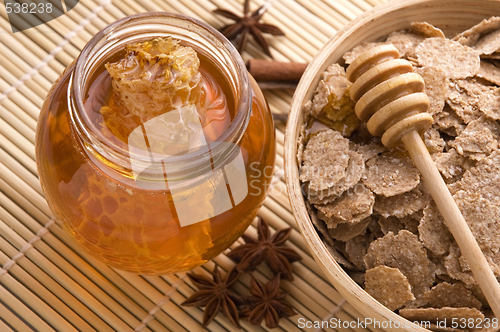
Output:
[[454, 220]]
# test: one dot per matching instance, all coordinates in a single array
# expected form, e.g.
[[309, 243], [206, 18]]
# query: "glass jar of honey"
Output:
[[155, 147]]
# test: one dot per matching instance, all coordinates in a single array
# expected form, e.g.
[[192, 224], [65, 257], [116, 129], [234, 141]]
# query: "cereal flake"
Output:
[[346, 231], [390, 224], [405, 252], [451, 295], [453, 268], [319, 224], [480, 137], [356, 249], [489, 72], [355, 169], [489, 43], [353, 206], [450, 164], [471, 36], [456, 60], [338, 256], [405, 42], [426, 29], [403, 204], [449, 122], [471, 99], [433, 141], [368, 151], [433, 232], [388, 286], [325, 160], [389, 176], [436, 86]]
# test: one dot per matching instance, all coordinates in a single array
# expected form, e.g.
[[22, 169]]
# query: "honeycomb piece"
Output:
[[154, 77], [332, 104]]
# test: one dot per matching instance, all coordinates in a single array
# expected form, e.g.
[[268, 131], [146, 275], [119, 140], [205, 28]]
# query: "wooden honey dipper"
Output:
[[389, 97]]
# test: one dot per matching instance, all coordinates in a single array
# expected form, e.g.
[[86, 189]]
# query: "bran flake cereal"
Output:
[[451, 295], [448, 122], [339, 258], [332, 104], [405, 252], [450, 164], [346, 231], [468, 96], [389, 286], [325, 160], [489, 72], [483, 220], [436, 86], [412, 221], [390, 224], [455, 60], [479, 138], [389, 176], [356, 249], [426, 29], [470, 36], [433, 141], [333, 82], [489, 43], [320, 225], [433, 232], [405, 42], [352, 207], [404, 204], [371, 205], [354, 171], [492, 56], [455, 271], [368, 151]]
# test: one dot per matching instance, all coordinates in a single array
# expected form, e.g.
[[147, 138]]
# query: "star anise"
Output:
[[248, 24], [270, 249], [267, 302], [216, 295]]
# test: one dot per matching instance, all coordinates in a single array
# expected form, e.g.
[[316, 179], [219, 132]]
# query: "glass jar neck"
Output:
[[137, 28]]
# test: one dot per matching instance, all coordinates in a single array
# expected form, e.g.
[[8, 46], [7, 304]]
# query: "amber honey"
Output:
[[123, 224]]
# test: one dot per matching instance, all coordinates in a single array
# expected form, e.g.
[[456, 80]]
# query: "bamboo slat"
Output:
[[25, 128], [18, 154], [34, 212], [48, 283], [29, 87], [4, 326], [24, 312]]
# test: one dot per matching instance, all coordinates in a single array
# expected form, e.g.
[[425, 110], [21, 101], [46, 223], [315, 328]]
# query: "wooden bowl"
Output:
[[452, 16]]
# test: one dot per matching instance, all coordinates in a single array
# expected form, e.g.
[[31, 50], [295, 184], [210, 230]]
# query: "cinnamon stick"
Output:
[[275, 71]]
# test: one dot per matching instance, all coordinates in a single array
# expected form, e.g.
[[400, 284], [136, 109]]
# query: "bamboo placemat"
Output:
[[47, 283]]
